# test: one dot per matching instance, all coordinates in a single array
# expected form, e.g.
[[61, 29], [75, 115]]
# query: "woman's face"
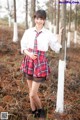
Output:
[[39, 22]]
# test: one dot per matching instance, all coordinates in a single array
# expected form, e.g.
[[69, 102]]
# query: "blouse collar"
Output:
[[40, 30]]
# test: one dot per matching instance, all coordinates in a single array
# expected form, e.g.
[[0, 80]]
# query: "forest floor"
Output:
[[14, 97]]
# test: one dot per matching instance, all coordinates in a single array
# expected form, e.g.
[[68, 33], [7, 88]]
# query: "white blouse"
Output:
[[44, 40]]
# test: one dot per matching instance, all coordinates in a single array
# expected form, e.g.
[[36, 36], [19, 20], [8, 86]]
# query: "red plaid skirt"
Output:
[[38, 67]]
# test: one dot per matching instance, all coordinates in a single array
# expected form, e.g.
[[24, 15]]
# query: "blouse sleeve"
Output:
[[54, 44], [24, 42]]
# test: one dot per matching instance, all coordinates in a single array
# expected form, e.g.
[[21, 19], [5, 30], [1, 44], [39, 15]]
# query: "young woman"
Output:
[[34, 44]]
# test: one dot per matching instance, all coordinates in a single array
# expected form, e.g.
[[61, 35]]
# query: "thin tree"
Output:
[[15, 32], [50, 14], [61, 72], [15, 20], [63, 25], [70, 17], [75, 32], [9, 13], [57, 17], [33, 7], [69, 31], [54, 16], [50, 10], [26, 9]]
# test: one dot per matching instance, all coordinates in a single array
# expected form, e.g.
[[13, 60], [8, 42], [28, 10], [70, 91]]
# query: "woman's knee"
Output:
[[32, 94]]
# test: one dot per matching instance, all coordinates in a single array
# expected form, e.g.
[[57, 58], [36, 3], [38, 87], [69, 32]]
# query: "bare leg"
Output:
[[34, 98], [33, 107], [34, 94], [35, 102]]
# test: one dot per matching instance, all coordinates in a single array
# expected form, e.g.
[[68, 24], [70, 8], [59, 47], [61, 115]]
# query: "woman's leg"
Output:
[[34, 99], [34, 94], [33, 107]]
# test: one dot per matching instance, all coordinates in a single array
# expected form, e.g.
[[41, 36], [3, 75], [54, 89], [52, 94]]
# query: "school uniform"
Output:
[[37, 43]]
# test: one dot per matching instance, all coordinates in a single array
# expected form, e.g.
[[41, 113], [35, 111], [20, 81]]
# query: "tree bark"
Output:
[[15, 31], [15, 20], [63, 25], [26, 9], [33, 6], [57, 17]]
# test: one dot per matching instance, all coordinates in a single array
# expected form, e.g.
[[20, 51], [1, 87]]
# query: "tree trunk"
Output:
[[33, 6], [76, 17], [63, 25], [62, 63], [15, 31], [9, 13], [26, 9], [15, 11], [75, 32], [69, 32], [57, 17]]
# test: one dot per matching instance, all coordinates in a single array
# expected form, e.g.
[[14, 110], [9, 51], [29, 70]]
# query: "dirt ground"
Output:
[[14, 97]]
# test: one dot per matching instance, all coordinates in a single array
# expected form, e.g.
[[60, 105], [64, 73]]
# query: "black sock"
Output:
[[39, 110], [33, 112], [41, 113]]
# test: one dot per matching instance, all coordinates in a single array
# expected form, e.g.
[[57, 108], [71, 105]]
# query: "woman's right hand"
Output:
[[31, 55]]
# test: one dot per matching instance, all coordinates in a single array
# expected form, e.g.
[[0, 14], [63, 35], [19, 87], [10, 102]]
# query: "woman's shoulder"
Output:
[[47, 31]]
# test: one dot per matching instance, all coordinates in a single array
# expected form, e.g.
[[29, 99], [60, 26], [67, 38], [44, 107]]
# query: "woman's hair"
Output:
[[40, 14]]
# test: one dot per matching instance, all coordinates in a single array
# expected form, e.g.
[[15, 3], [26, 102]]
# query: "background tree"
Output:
[[63, 25], [70, 17], [75, 31], [15, 32], [15, 20], [33, 7], [50, 13], [69, 30], [78, 14], [9, 13], [26, 9], [61, 70], [57, 17]]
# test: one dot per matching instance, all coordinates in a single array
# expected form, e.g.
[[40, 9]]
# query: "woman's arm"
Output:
[[31, 55], [24, 42]]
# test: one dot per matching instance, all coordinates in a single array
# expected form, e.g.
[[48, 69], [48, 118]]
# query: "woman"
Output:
[[34, 44]]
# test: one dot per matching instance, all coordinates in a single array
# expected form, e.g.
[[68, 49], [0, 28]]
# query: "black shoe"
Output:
[[41, 113], [35, 113]]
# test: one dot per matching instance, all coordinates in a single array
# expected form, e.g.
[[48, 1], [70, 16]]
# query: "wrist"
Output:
[[25, 52]]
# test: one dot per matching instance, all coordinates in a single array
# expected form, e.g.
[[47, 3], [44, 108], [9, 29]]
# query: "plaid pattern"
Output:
[[38, 67]]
